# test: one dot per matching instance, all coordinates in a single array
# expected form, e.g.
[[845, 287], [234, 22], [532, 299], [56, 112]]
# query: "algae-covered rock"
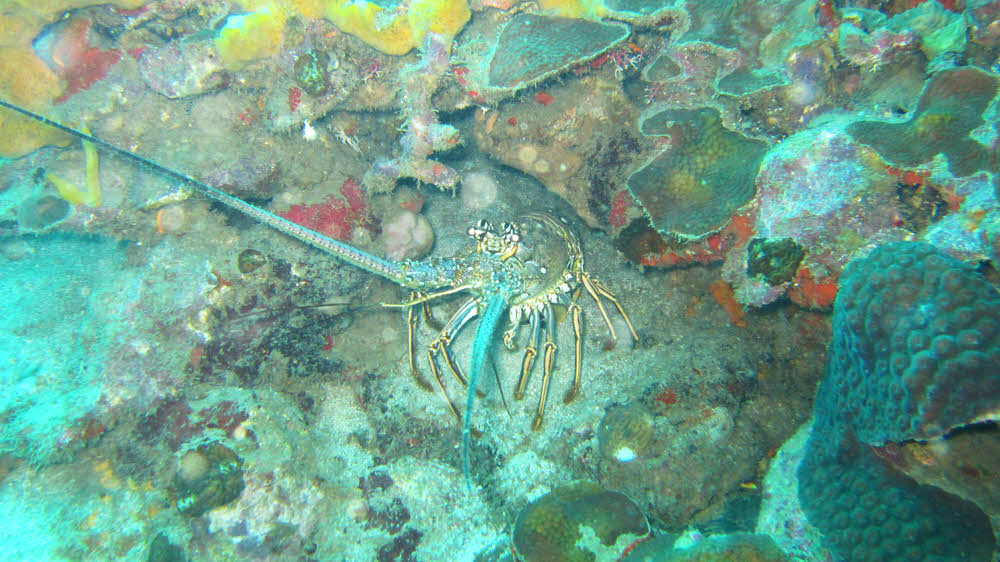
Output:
[[774, 260], [312, 73], [43, 212]]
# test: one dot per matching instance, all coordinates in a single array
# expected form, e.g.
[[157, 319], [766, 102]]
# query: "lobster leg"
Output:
[[509, 336], [439, 346], [530, 352], [411, 322], [547, 363], [574, 310], [596, 290], [606, 293]]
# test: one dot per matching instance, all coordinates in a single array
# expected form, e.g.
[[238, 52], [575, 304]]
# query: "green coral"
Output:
[[913, 355], [707, 173], [210, 476], [533, 47], [555, 526], [311, 72], [950, 108]]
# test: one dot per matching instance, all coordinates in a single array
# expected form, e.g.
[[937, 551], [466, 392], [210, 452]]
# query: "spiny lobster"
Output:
[[521, 269]]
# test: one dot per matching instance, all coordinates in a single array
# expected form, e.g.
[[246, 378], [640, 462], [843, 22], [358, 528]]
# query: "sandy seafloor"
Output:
[[160, 404]]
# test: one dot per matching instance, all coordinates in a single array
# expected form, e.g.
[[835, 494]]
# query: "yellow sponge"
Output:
[[592, 10], [396, 32], [25, 80], [252, 36], [90, 194], [53, 9]]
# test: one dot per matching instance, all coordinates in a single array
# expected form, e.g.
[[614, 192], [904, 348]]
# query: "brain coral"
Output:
[[554, 526], [916, 336], [915, 351]]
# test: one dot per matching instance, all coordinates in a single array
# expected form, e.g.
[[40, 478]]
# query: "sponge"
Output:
[[251, 36], [397, 31]]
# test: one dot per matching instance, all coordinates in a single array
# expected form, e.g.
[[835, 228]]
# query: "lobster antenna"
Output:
[[394, 271], [105, 145]]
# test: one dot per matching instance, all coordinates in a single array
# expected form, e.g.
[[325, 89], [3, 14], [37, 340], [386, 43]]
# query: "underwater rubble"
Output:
[[789, 214]]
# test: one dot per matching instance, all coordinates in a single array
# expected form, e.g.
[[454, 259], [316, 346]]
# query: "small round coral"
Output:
[[479, 190], [407, 235], [626, 432], [207, 477]]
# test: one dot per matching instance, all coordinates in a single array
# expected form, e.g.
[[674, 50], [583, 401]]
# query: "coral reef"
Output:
[[493, 63], [180, 69], [914, 338], [533, 47], [338, 217], [959, 464], [574, 145], [251, 36], [208, 477], [61, 395], [869, 37], [182, 383], [626, 432], [663, 451], [715, 548], [26, 80], [781, 515], [776, 261], [399, 27], [970, 227], [36, 215]]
